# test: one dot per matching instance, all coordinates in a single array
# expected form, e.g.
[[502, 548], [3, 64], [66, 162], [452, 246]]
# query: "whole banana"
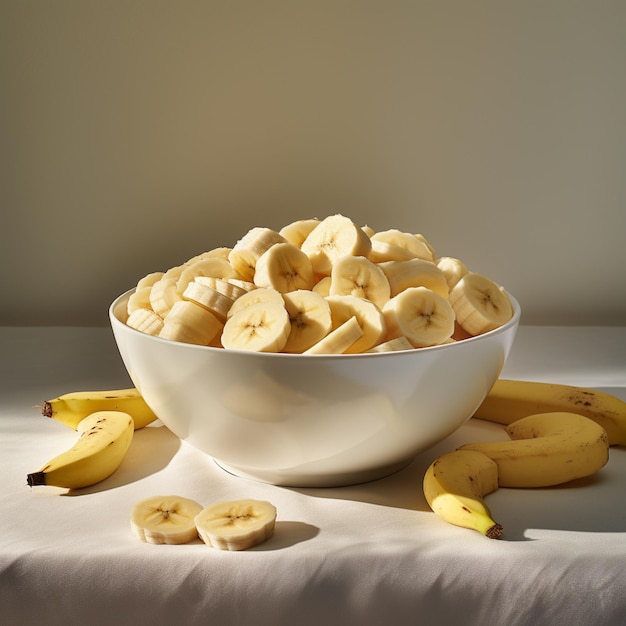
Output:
[[547, 449], [510, 400], [455, 485], [71, 408], [104, 439]]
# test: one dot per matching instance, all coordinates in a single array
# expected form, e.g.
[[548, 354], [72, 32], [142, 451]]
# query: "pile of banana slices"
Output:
[[319, 286]]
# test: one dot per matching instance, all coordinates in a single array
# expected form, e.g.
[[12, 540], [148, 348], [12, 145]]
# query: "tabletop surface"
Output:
[[366, 554]]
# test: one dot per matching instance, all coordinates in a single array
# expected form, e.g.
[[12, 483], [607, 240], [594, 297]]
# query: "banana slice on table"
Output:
[[250, 247], [358, 276], [422, 316], [236, 525], [414, 273], [189, 322], [261, 327], [165, 519], [480, 304], [334, 237], [454, 269], [284, 267], [310, 318], [339, 340], [296, 232], [369, 316]]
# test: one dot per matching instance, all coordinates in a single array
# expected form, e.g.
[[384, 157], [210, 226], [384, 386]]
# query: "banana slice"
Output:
[[221, 252], [149, 279], [310, 318], [231, 288], [165, 519], [369, 316], [334, 237], [210, 299], [210, 266], [189, 322], [427, 243], [139, 299], [247, 285], [393, 345], [164, 294], [338, 340], [400, 246], [284, 267], [250, 247], [382, 252], [480, 304], [322, 286], [453, 269], [296, 232], [414, 273], [261, 327], [145, 321], [358, 276], [236, 525], [255, 296], [422, 316], [368, 230]]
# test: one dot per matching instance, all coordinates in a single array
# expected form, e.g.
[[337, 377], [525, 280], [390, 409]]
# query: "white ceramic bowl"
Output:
[[316, 420]]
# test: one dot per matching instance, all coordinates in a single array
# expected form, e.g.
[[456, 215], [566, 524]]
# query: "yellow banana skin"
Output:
[[71, 408], [510, 400], [104, 439], [455, 485], [547, 449]]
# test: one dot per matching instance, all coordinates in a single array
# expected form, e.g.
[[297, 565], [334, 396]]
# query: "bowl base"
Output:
[[315, 479]]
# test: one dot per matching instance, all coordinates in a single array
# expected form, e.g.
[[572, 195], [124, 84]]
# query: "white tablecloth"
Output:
[[368, 554]]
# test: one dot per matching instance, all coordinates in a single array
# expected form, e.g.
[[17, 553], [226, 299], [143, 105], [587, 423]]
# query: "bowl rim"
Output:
[[513, 322]]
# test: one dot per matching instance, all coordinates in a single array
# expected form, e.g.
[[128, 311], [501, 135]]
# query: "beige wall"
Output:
[[135, 134]]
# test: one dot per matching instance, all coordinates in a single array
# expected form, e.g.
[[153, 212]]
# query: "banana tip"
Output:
[[37, 478], [495, 532]]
